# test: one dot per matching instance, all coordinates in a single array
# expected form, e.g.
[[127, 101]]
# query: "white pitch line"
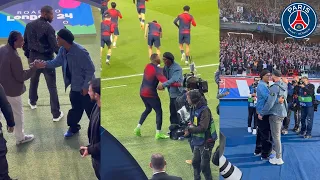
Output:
[[114, 87], [134, 75]]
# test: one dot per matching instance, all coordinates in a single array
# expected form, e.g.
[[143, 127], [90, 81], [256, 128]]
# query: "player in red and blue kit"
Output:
[[141, 8], [153, 33], [107, 28], [185, 20], [104, 7], [149, 95], [115, 15]]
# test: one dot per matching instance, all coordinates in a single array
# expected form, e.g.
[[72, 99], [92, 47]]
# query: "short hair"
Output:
[[304, 77], [155, 21], [186, 8], [13, 37], [95, 84], [113, 5], [157, 161], [192, 83], [46, 9], [153, 56]]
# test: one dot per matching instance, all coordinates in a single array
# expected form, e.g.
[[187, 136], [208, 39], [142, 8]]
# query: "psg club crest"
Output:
[[299, 20]]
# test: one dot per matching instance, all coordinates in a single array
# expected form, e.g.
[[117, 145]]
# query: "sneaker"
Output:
[[302, 133], [69, 134], [27, 138], [276, 161], [297, 130], [264, 158], [189, 162], [32, 106], [307, 136], [161, 136], [254, 131], [284, 132], [137, 132], [108, 62], [257, 154], [114, 47], [58, 118], [186, 62], [249, 130]]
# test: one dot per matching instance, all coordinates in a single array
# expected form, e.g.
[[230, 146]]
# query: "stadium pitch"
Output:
[[50, 155], [122, 105]]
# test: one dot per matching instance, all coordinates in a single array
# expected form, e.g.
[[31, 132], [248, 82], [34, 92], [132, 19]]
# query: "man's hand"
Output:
[[39, 64], [85, 153], [10, 129], [84, 92], [302, 85], [254, 95], [254, 98], [186, 133], [160, 86], [259, 117], [281, 100]]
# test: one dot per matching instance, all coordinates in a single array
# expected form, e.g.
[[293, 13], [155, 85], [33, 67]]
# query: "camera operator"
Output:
[[202, 133], [286, 120], [295, 104], [252, 102], [8, 115], [306, 100]]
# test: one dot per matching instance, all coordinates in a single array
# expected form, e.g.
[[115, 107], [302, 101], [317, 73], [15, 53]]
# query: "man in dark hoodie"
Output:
[[201, 133], [93, 148]]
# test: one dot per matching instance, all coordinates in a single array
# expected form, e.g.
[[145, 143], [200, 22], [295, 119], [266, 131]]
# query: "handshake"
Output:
[[39, 64]]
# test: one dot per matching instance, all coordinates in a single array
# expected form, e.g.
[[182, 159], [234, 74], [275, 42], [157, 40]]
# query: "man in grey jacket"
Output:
[[173, 72], [277, 112]]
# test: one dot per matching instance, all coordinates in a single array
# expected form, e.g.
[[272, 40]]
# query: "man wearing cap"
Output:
[[277, 112], [306, 99], [40, 43], [202, 133], [263, 141], [173, 72], [78, 71]]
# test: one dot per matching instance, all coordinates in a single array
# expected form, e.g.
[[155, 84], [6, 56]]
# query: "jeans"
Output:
[[201, 162], [79, 103], [275, 126], [307, 115], [152, 103], [252, 113], [297, 116]]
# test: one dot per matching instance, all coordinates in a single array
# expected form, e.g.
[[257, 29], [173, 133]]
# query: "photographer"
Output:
[[286, 120], [202, 132], [306, 100], [8, 114], [252, 101]]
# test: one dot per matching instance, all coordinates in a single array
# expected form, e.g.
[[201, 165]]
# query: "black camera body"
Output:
[[200, 84]]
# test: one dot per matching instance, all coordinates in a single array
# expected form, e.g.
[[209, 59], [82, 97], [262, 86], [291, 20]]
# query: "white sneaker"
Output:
[[108, 62], [186, 62], [58, 118], [254, 131], [276, 161], [249, 130], [27, 138], [32, 106]]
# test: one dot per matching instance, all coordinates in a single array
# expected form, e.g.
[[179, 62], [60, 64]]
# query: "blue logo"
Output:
[[299, 20]]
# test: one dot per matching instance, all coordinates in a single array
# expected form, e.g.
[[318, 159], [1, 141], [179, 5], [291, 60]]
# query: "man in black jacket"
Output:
[[158, 165], [8, 115], [93, 148], [40, 43]]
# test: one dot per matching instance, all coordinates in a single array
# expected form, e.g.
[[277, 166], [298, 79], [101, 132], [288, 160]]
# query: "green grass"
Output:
[[50, 156], [122, 106]]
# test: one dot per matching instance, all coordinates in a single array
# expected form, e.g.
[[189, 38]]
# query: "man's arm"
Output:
[[175, 77], [309, 90], [146, 30], [134, 2], [17, 70], [203, 124], [25, 45], [52, 39], [119, 14], [175, 22], [161, 78], [6, 108], [56, 62], [193, 22], [160, 32], [273, 96], [94, 149], [89, 70]]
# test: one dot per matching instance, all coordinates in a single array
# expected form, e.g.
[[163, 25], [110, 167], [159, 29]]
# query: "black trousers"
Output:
[[96, 167], [201, 162], [264, 138], [4, 169], [173, 112], [152, 103], [50, 77], [297, 118], [252, 113], [79, 103]]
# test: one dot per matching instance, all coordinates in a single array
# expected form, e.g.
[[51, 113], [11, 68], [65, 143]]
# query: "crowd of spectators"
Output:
[[240, 55], [263, 11]]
